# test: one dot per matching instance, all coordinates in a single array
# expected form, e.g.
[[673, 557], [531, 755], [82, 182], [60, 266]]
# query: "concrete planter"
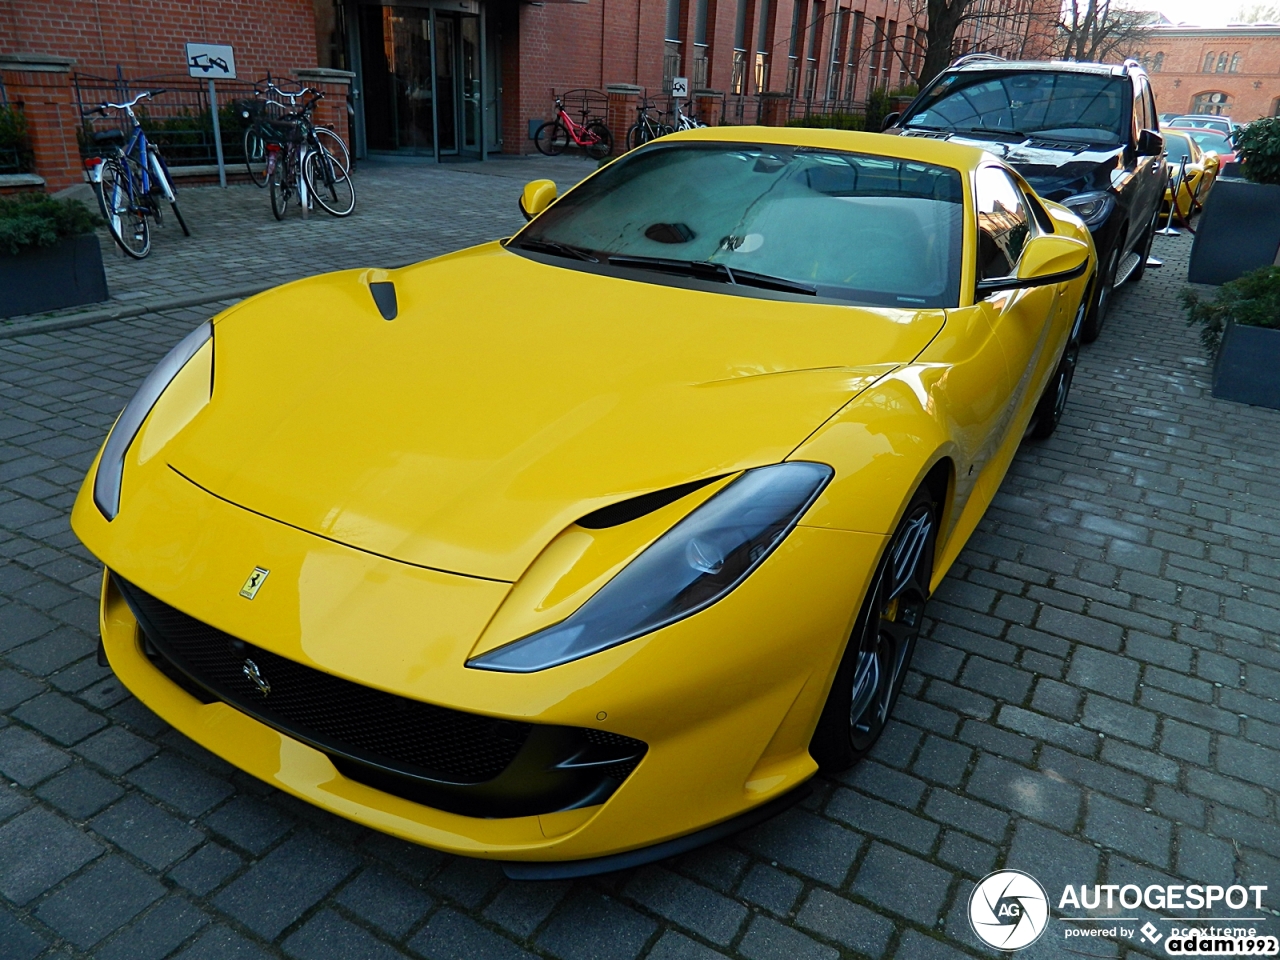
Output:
[[1238, 232], [1246, 365], [49, 278]]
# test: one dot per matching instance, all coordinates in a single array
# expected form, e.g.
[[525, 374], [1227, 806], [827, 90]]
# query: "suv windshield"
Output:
[[1067, 105], [847, 226]]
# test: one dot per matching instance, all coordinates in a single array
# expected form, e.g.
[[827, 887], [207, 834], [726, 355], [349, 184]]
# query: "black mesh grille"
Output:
[[372, 725], [623, 745]]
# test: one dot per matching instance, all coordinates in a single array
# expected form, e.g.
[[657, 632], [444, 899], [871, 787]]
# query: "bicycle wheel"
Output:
[[329, 183], [282, 183], [600, 144], [551, 138], [255, 156], [336, 146], [162, 170], [637, 136], [125, 219]]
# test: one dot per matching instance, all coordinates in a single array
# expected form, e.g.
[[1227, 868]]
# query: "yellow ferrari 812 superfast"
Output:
[[578, 549]]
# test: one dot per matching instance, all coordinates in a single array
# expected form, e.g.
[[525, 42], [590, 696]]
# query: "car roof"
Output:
[[922, 149], [1047, 66]]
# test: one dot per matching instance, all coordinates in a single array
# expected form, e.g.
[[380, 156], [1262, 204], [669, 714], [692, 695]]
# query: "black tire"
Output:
[[879, 650], [1048, 412], [637, 136], [282, 187], [1101, 303], [170, 191], [125, 218], [336, 146], [255, 156], [1144, 250], [603, 143], [551, 138], [330, 184], [181, 222]]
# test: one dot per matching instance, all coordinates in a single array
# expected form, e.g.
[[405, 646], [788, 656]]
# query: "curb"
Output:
[[125, 311]]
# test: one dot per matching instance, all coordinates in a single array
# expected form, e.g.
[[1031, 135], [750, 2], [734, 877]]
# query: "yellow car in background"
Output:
[[1197, 176], [582, 548]]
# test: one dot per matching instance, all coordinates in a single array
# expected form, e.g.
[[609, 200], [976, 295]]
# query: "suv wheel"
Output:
[[1144, 249], [1102, 300]]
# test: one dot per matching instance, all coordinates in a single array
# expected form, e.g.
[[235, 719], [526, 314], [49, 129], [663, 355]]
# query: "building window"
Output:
[[762, 38], [740, 26], [795, 29], [1214, 103], [1222, 62], [1208, 62], [1235, 64], [1157, 64], [673, 20], [700, 24]]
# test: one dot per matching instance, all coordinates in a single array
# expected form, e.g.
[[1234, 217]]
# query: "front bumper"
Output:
[[726, 700]]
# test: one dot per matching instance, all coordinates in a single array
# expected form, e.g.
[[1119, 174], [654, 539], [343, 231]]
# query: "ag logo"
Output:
[[1008, 910]]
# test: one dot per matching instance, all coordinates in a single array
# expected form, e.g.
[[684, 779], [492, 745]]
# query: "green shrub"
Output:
[[878, 107], [1252, 300], [35, 220], [1258, 144], [830, 121], [15, 144]]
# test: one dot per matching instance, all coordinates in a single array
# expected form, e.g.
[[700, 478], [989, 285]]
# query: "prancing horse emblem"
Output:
[[254, 583], [253, 673]]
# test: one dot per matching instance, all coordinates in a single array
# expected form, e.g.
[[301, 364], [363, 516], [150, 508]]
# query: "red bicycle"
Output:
[[554, 136]]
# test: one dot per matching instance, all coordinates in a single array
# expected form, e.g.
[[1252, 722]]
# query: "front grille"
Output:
[[451, 759]]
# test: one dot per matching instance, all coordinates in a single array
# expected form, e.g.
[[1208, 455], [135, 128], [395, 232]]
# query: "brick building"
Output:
[[465, 78], [1233, 71]]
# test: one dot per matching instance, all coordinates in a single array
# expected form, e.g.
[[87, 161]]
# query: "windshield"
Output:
[[847, 226], [1177, 148], [1070, 106], [1210, 140]]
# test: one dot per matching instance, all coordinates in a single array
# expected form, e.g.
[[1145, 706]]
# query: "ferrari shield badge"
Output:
[[254, 583]]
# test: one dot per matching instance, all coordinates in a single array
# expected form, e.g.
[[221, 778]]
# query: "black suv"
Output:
[[1082, 134]]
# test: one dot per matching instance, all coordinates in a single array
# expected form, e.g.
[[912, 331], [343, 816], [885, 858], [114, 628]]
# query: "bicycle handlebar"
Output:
[[145, 94]]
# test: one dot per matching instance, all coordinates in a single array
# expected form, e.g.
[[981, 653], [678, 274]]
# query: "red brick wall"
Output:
[[1254, 88], [146, 36]]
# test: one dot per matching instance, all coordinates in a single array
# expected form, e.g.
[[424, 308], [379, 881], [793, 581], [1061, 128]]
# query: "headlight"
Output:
[[691, 566], [1092, 207], [106, 485]]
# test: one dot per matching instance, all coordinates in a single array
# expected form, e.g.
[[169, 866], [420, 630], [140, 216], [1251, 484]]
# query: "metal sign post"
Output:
[[679, 91], [207, 61]]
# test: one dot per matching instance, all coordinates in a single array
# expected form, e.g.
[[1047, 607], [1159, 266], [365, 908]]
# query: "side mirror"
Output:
[[1048, 259], [537, 196], [889, 121], [1150, 144]]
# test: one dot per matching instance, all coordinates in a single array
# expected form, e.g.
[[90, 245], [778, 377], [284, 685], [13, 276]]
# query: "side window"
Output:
[[1146, 119], [1003, 223], [1151, 107]]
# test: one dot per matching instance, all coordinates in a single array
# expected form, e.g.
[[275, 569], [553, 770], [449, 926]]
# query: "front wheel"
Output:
[[1048, 412], [1144, 249], [124, 215], [1102, 298], [601, 142], [551, 138], [281, 187], [329, 183], [879, 651]]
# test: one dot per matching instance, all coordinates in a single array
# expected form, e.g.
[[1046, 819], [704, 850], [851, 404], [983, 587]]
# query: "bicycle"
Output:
[[646, 128], [264, 136], [685, 121], [126, 180], [305, 167], [554, 136]]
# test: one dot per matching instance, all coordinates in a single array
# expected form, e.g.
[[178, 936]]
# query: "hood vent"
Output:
[[625, 511]]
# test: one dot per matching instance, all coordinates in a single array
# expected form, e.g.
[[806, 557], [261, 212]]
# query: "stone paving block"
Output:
[[675, 946], [390, 904], [103, 898], [60, 718], [206, 869], [1032, 794], [1145, 762], [450, 935], [1104, 672], [327, 936], [769, 940], [1204, 859], [972, 856], [116, 750], [249, 824], [1116, 719], [51, 652], [1184, 741], [18, 941], [1248, 761], [1060, 700], [79, 792], [969, 815], [19, 623], [155, 935], [278, 889], [881, 820], [998, 680], [885, 783], [1199, 714], [222, 943], [180, 784], [847, 923], [718, 866], [593, 927], [902, 884], [147, 832], [806, 844], [38, 850], [1167, 653], [1052, 857], [1094, 775], [26, 758], [1081, 629], [1234, 793], [81, 674], [12, 801], [469, 882], [15, 688], [690, 905], [1040, 727], [1129, 830], [916, 946], [942, 761], [770, 888], [994, 740]]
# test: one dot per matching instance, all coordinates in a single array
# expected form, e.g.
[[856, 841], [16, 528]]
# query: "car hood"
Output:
[[510, 397]]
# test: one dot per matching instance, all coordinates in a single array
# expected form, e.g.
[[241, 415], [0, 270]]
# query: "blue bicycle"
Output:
[[128, 180]]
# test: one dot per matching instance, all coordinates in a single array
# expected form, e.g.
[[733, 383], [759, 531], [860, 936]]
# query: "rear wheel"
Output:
[[602, 144], [1048, 412], [884, 636], [551, 138], [329, 183], [255, 156], [125, 217], [282, 184], [1102, 298], [336, 146]]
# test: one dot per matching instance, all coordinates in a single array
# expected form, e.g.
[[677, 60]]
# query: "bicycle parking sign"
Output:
[[680, 87], [211, 61]]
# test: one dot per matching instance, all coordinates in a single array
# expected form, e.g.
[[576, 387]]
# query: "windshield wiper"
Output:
[[1002, 132], [558, 249], [706, 270]]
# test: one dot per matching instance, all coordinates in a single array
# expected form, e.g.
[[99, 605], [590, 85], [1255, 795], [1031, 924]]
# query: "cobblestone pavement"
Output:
[[1096, 701], [237, 245]]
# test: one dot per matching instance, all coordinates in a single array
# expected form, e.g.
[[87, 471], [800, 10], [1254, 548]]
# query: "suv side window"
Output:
[[1141, 117], [1004, 223], [1150, 99]]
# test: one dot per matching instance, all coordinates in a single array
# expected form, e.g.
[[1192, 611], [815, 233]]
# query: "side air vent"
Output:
[[384, 295], [627, 510]]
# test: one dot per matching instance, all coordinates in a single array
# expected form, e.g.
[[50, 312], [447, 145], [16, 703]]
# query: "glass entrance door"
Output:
[[458, 82]]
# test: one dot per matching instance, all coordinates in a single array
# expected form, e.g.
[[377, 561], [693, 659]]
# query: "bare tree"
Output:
[[1010, 32], [1259, 13], [1100, 30]]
